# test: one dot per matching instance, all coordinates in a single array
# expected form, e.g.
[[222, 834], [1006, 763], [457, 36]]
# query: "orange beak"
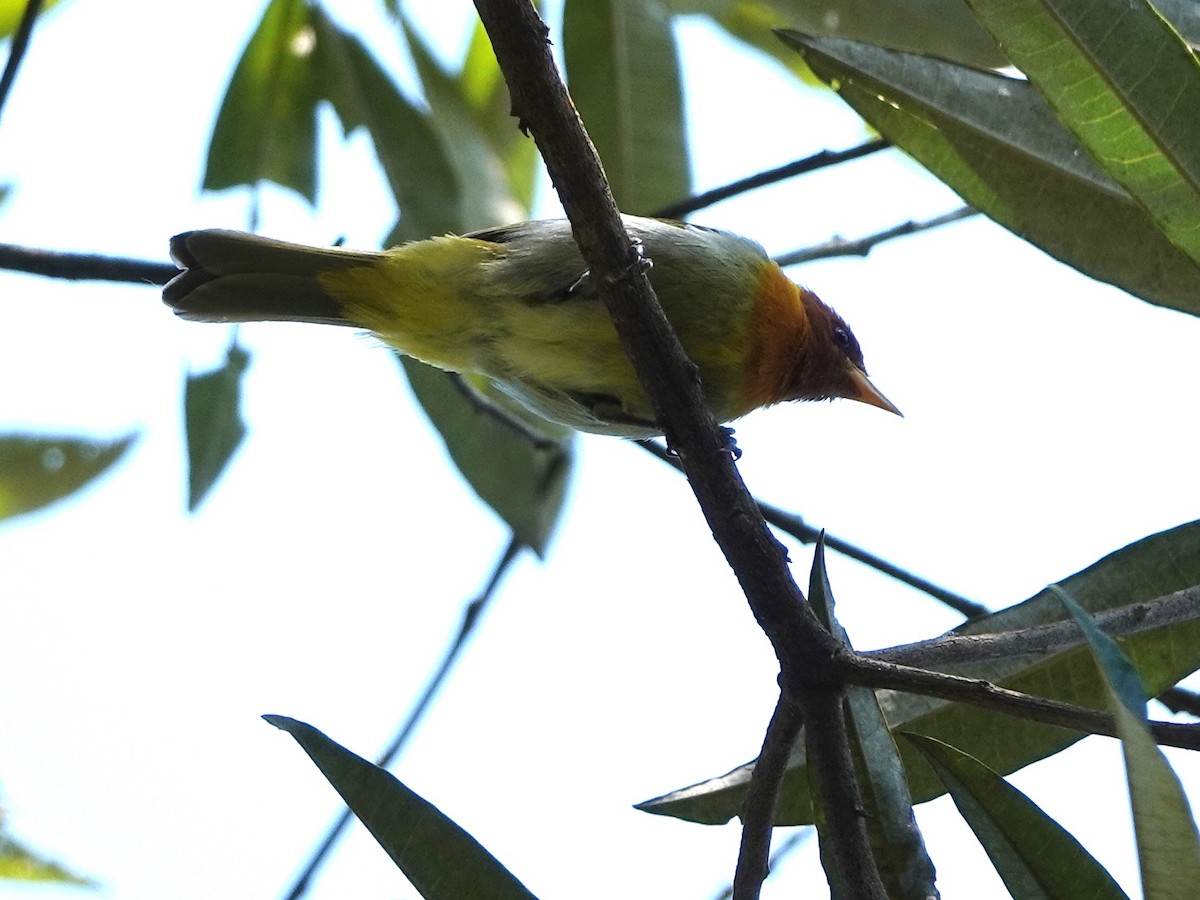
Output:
[[865, 392]]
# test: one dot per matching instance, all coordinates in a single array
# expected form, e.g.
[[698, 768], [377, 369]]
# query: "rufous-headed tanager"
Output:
[[515, 304]]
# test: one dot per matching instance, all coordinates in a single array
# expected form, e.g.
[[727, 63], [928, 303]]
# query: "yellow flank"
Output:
[[419, 299]]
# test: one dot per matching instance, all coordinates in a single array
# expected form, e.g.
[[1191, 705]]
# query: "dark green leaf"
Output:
[[623, 69], [441, 860], [1128, 88], [213, 422], [1168, 844], [1036, 857], [518, 465], [994, 140], [37, 470], [1152, 567], [413, 159], [896, 842], [267, 126]]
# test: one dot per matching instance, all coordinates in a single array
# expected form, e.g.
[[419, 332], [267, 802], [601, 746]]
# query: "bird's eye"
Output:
[[842, 336]]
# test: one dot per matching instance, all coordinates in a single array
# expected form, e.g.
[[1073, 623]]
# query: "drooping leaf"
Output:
[[1126, 85], [942, 28], [1152, 567], [623, 71], [896, 843], [518, 465], [37, 470], [267, 127], [1165, 830], [213, 423], [995, 142], [1036, 857], [469, 146], [442, 861], [413, 158]]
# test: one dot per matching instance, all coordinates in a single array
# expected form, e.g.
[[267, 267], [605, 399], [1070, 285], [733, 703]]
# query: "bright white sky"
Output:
[[1047, 425]]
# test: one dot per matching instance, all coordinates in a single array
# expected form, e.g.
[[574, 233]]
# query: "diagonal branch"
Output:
[[16, 50], [862, 246]]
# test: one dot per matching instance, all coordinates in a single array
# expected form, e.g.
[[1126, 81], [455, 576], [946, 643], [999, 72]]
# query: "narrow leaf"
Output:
[[518, 465], [994, 140], [267, 127], [1126, 85], [19, 863], [899, 850], [1152, 567], [441, 860], [213, 422], [1035, 856], [36, 470], [1167, 840], [623, 70], [409, 150]]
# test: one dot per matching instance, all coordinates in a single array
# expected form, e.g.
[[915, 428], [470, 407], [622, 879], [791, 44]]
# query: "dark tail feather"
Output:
[[231, 276]]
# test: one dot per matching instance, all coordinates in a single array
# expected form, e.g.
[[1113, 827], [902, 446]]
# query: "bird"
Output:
[[516, 304]]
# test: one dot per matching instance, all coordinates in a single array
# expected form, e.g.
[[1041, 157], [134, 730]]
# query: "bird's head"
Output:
[[833, 366]]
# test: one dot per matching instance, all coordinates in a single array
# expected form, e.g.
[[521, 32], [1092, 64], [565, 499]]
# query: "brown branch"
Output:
[[1180, 700], [812, 163], [807, 652], [762, 799], [84, 266], [864, 245], [17, 49]]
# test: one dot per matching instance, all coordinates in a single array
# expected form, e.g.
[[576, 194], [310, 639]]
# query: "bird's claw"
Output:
[[729, 445]]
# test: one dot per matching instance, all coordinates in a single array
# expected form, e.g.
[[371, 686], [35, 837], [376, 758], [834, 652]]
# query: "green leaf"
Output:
[[896, 842], [942, 28], [213, 422], [1126, 85], [469, 146], [623, 71], [409, 150], [267, 127], [36, 470], [441, 860], [518, 465], [11, 12], [1167, 840], [1036, 857], [994, 141], [1152, 567]]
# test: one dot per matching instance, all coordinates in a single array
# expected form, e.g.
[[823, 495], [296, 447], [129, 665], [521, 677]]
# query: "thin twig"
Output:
[[1055, 637], [762, 799], [16, 51], [812, 163], [471, 616], [790, 844], [794, 525], [84, 266], [878, 674], [1180, 700], [864, 245]]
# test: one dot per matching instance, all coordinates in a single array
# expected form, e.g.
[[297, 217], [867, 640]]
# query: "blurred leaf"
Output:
[[1036, 857], [267, 127], [623, 71], [995, 142], [1128, 88], [213, 422], [441, 860], [896, 842], [490, 201], [1152, 567], [36, 471], [413, 159], [1167, 841], [19, 863], [5, 190], [484, 90], [522, 476], [11, 12], [942, 28]]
